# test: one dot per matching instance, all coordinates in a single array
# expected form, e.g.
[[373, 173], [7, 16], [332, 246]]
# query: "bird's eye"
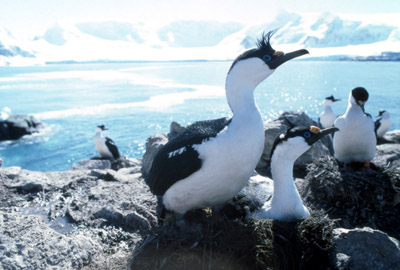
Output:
[[267, 57], [307, 134]]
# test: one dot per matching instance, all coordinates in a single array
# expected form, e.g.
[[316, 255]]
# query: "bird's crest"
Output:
[[263, 43]]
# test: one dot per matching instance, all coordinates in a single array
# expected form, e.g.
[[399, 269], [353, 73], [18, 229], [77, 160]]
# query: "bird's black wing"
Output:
[[112, 147], [377, 125], [178, 159]]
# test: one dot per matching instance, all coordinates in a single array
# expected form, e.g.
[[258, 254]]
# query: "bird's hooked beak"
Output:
[[361, 104], [282, 57], [318, 133], [336, 99]]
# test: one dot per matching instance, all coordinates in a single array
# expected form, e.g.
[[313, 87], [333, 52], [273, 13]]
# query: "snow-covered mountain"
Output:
[[12, 49], [326, 36]]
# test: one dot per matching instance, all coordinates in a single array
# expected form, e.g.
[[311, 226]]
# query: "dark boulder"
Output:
[[365, 248], [16, 126]]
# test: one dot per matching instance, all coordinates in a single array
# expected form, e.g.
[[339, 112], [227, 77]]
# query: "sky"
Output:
[[33, 17]]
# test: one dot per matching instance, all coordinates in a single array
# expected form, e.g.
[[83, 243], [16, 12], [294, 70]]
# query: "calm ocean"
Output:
[[137, 100]]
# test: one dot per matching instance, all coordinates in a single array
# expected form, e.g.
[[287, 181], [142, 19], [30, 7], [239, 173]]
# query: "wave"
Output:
[[154, 103]]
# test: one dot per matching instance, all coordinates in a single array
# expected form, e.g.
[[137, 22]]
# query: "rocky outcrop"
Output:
[[365, 248], [286, 121], [104, 163], [392, 136], [100, 214], [16, 126], [153, 144], [76, 219]]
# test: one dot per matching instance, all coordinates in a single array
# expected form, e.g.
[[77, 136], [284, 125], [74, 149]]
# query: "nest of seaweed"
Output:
[[232, 242], [355, 199]]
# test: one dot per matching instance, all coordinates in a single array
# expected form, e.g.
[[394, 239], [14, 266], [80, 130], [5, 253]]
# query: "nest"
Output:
[[229, 242], [355, 199]]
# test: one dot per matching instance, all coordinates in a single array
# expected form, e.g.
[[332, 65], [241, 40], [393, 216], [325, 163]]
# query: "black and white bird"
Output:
[[211, 161], [104, 145], [382, 124], [328, 117], [286, 203], [355, 142]]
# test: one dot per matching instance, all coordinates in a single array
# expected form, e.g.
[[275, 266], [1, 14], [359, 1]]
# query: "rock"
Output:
[[16, 126], [174, 130], [28, 243], [287, 120], [153, 144], [72, 219], [255, 194], [393, 136], [124, 162], [92, 164], [102, 164], [365, 248], [11, 172], [386, 153], [1, 162]]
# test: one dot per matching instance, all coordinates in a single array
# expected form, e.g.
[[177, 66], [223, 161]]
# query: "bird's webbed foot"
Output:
[[367, 170]]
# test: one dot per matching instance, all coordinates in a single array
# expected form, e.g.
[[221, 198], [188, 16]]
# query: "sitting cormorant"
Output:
[[382, 124], [211, 161], [104, 145], [356, 140], [328, 117]]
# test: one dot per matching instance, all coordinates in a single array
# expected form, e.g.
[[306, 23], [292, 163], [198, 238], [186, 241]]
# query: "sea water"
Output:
[[137, 100]]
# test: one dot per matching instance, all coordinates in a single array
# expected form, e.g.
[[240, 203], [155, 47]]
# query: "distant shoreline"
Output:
[[379, 58]]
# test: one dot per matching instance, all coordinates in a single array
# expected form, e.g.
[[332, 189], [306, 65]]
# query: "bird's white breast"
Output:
[[99, 142], [355, 141], [327, 118], [228, 161], [384, 127]]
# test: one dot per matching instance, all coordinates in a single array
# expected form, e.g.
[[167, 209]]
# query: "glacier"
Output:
[[327, 36]]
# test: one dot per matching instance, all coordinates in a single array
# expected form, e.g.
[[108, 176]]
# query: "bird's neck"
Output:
[[328, 108], [241, 101], [354, 109], [284, 187], [240, 92]]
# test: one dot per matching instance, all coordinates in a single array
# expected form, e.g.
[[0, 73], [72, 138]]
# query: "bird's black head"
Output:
[[307, 135], [360, 96], [102, 127], [332, 98], [266, 53]]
